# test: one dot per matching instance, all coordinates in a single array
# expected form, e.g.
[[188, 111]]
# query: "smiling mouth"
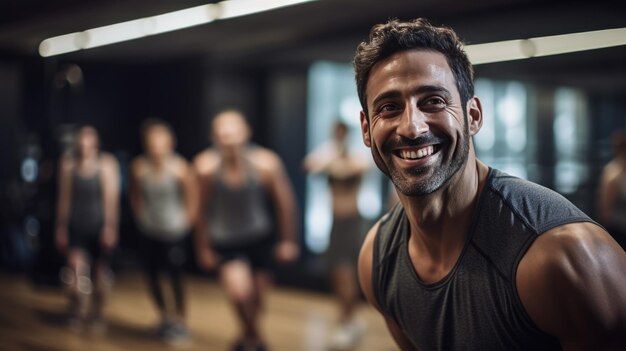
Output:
[[416, 153]]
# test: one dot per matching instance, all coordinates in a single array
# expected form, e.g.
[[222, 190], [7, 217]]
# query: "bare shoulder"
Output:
[[265, 159], [108, 160], [571, 244], [572, 282], [137, 165], [366, 258], [110, 166], [206, 162], [66, 162], [180, 165]]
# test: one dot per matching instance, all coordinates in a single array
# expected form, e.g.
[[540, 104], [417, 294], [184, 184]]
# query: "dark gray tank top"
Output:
[[86, 207], [476, 306], [239, 215]]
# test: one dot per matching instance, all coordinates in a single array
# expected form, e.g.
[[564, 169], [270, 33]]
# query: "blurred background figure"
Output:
[[344, 172], [612, 194], [163, 198], [87, 225], [246, 197]]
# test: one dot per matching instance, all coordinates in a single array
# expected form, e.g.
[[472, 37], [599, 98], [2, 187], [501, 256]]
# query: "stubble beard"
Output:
[[404, 182]]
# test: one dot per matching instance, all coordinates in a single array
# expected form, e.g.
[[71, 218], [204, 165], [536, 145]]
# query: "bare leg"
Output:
[[344, 286], [78, 284], [238, 281], [102, 285]]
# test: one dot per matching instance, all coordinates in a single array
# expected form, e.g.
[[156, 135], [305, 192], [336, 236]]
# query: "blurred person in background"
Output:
[[612, 194], [344, 171], [87, 225], [471, 258], [246, 197], [163, 197]]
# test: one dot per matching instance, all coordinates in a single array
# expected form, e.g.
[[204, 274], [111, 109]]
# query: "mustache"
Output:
[[400, 141]]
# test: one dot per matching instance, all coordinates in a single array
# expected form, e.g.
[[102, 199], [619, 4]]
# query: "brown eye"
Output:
[[433, 104], [388, 108]]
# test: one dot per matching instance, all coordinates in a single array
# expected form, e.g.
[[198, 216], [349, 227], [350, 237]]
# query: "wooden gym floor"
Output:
[[32, 319]]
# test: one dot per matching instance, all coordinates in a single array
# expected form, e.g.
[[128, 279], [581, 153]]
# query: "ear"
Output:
[[474, 115], [365, 130]]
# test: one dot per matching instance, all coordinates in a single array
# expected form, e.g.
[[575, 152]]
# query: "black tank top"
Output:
[[476, 306], [86, 215], [239, 215]]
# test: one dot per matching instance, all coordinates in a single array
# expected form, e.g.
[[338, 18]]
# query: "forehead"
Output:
[[229, 119], [410, 69], [86, 132], [157, 129]]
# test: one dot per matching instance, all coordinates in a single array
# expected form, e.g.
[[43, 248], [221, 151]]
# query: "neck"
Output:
[[441, 221], [233, 159], [157, 160]]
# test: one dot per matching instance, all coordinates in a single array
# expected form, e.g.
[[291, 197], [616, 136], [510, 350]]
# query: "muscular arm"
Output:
[[607, 194], [365, 280], [190, 189], [320, 158], [63, 200], [572, 282], [134, 189], [111, 197], [204, 167], [283, 196]]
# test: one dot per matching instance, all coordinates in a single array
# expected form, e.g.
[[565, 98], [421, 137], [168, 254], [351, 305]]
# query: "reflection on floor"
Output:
[[32, 319]]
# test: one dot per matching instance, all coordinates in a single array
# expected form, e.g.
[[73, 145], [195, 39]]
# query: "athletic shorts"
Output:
[[161, 253], [89, 242], [346, 237], [259, 254]]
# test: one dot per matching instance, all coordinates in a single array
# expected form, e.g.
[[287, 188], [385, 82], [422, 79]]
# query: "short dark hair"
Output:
[[394, 36]]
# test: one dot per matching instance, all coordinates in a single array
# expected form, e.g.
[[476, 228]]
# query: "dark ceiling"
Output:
[[329, 29]]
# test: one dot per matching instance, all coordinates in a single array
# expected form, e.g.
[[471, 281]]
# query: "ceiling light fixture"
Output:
[[545, 46], [134, 29]]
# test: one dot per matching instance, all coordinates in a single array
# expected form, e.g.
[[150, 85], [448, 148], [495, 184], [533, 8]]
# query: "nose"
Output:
[[412, 123]]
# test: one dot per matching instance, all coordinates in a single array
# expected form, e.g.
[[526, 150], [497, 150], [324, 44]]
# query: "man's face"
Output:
[[87, 141], [417, 131], [159, 141], [230, 131]]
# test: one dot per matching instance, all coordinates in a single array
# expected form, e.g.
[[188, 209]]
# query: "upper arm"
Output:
[[572, 282], [111, 175], [110, 188], [64, 187], [607, 194], [275, 174], [187, 178], [366, 258], [318, 159], [365, 266]]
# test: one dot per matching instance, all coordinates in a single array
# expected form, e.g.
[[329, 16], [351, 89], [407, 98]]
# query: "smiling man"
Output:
[[471, 258]]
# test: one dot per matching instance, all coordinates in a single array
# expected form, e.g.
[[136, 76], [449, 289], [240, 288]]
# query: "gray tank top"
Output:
[[86, 207], [163, 214], [241, 215], [476, 306]]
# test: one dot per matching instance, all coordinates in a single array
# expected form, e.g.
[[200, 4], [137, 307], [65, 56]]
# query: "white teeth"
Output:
[[417, 154]]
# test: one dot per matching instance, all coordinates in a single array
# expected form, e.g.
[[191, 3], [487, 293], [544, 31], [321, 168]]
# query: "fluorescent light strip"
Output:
[[167, 22], [236, 8], [545, 46]]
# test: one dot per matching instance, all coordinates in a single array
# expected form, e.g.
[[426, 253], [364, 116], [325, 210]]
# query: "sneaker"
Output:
[[243, 346], [347, 335], [159, 330], [176, 334], [97, 325], [75, 323]]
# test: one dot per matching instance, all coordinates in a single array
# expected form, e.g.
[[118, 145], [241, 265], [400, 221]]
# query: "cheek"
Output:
[[380, 130]]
